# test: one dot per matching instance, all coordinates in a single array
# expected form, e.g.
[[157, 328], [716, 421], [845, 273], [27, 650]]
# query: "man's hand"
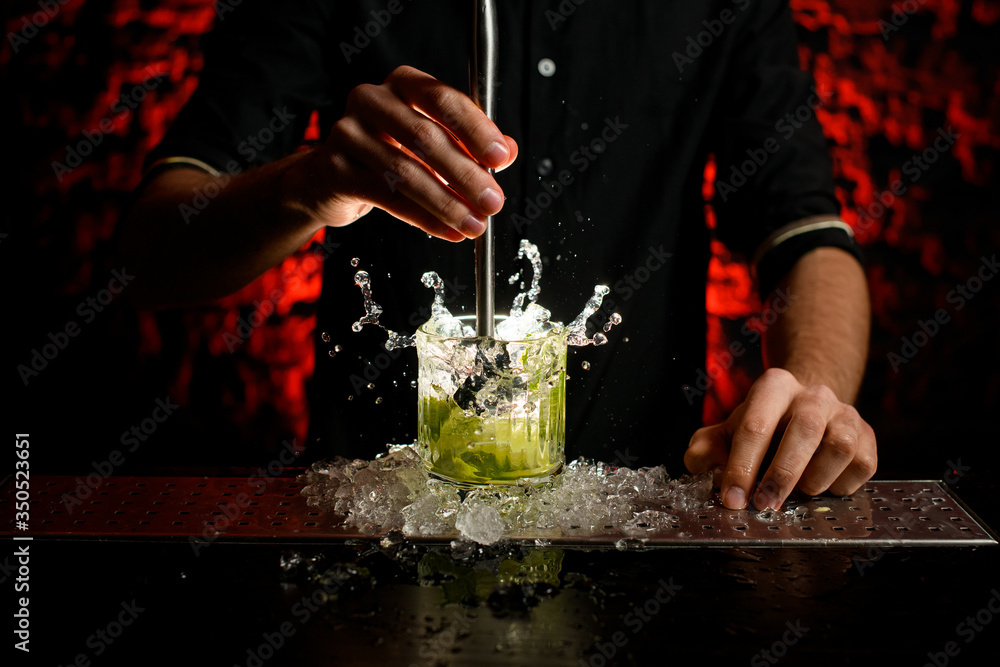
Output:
[[414, 147], [825, 445]]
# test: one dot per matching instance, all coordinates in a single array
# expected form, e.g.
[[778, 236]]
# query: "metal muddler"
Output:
[[483, 59]]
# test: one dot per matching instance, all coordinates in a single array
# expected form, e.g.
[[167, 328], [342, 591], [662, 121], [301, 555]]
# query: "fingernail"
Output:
[[735, 498], [491, 200], [472, 226], [764, 501], [497, 153]]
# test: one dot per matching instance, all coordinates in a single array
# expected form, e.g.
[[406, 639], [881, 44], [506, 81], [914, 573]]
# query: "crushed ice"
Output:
[[395, 493]]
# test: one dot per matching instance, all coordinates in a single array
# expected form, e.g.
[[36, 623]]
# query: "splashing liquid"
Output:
[[530, 251], [524, 320], [372, 312]]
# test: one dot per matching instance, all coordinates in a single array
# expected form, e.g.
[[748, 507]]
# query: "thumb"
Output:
[[708, 449]]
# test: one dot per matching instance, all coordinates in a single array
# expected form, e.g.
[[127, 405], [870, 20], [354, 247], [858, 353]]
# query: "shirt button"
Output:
[[544, 167], [546, 67]]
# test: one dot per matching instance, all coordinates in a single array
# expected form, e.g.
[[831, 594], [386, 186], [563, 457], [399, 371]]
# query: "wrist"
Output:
[[296, 191], [311, 188], [817, 372]]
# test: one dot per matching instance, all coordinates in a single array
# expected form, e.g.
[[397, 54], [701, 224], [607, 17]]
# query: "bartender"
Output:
[[607, 116]]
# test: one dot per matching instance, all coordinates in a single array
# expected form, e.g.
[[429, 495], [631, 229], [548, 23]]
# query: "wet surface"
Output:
[[388, 601], [583, 507], [366, 603]]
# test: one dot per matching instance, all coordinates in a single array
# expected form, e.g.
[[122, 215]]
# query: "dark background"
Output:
[[892, 93], [893, 89]]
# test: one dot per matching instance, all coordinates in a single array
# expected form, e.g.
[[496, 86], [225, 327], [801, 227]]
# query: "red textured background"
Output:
[[891, 93]]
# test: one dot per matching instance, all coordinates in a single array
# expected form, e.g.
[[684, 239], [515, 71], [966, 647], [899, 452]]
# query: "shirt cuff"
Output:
[[179, 161], [781, 250]]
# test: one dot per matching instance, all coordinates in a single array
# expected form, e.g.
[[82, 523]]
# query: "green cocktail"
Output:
[[492, 411]]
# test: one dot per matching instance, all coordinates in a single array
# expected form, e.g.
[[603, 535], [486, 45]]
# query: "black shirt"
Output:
[[616, 107]]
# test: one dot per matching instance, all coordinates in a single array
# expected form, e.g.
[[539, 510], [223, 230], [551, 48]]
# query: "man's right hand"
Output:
[[414, 147]]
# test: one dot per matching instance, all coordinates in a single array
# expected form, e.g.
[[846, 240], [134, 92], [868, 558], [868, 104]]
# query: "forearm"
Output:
[[822, 336], [192, 237]]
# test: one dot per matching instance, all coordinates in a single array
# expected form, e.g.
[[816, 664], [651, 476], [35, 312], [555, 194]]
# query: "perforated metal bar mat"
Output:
[[235, 509]]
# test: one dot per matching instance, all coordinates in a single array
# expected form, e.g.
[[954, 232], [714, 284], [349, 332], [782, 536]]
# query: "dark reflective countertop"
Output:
[[368, 604], [370, 601], [102, 600]]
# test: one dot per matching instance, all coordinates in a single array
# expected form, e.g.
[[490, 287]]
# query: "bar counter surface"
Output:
[[229, 570]]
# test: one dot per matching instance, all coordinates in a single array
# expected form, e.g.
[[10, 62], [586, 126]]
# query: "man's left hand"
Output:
[[825, 445]]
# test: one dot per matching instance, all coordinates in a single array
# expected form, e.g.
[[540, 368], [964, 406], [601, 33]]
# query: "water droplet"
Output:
[[355, 261], [413, 383], [371, 385], [331, 353], [625, 339], [585, 365], [325, 336], [378, 400], [338, 348], [350, 398]]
